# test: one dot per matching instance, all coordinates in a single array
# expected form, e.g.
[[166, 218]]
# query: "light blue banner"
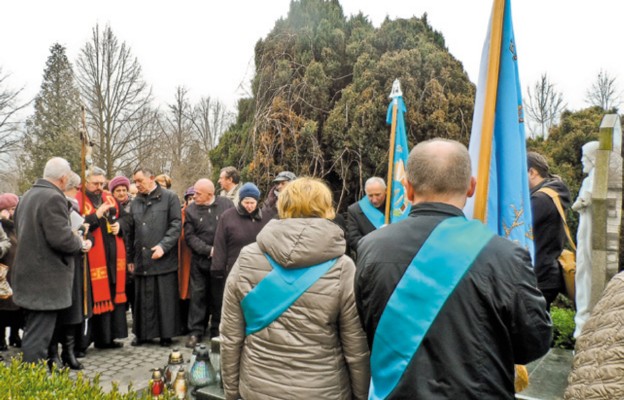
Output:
[[508, 210], [399, 205]]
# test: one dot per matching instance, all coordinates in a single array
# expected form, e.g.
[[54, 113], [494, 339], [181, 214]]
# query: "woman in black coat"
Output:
[[237, 228]]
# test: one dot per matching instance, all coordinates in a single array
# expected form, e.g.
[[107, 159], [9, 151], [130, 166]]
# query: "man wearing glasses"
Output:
[[153, 245], [107, 261]]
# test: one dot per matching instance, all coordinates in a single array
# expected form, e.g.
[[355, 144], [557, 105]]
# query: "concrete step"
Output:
[[548, 376], [213, 392]]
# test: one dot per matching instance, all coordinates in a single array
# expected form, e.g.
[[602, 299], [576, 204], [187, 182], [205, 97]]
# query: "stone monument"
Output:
[[583, 205], [601, 230]]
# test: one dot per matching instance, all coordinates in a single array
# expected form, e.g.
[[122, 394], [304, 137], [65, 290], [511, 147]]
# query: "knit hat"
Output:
[[118, 180], [189, 192], [249, 190], [8, 200], [285, 176]]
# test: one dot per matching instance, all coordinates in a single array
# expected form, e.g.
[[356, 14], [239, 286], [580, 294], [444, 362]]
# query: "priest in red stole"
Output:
[[107, 261]]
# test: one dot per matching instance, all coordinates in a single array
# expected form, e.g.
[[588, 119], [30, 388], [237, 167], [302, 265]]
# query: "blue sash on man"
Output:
[[376, 217], [277, 292], [428, 281]]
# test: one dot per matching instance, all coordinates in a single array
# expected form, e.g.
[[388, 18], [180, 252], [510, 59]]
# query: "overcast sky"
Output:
[[208, 46]]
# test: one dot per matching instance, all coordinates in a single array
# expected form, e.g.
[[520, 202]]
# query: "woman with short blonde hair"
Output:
[[164, 181], [290, 326], [307, 198]]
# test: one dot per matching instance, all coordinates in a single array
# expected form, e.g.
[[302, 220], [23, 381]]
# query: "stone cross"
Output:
[[607, 206]]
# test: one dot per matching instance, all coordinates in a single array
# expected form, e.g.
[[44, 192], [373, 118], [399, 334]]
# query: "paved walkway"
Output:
[[548, 376], [132, 365], [125, 366]]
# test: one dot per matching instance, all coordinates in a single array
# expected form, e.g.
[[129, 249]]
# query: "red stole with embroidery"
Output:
[[102, 299]]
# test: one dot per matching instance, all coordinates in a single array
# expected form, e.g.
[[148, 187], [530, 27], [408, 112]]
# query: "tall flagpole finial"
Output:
[[396, 89]]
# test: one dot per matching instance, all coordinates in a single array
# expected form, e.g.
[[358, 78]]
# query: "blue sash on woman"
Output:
[[376, 217], [419, 296], [277, 292]]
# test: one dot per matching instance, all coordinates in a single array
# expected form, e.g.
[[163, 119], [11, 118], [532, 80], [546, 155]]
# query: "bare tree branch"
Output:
[[210, 118], [10, 105], [115, 94], [543, 107], [604, 92]]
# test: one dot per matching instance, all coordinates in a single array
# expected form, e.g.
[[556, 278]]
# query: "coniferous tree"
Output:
[[320, 95], [53, 129]]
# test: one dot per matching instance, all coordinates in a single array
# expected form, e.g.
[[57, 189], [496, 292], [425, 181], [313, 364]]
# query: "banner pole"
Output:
[[489, 107], [395, 106]]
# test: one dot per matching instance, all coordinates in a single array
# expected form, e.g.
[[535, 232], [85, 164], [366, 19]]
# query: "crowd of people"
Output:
[[305, 301], [129, 246]]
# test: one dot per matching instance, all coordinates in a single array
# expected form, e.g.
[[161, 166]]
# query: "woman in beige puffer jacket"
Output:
[[598, 365], [316, 349]]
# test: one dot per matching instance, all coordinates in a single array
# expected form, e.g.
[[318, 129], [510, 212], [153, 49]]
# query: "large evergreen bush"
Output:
[[320, 94]]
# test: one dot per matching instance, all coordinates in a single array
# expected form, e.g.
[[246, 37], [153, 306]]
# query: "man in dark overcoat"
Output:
[[367, 214], [43, 272], [202, 218], [153, 245], [548, 227], [464, 301]]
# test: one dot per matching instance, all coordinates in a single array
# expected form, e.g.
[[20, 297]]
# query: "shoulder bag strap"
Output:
[[555, 198]]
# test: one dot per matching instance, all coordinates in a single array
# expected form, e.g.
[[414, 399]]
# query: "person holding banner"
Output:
[[448, 306], [367, 214], [290, 328]]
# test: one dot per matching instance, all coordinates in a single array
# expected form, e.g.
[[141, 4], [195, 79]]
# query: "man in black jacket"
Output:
[[548, 229], [447, 306], [202, 218], [153, 245], [43, 271], [368, 213]]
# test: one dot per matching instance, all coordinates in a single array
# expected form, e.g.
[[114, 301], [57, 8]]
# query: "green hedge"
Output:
[[21, 381], [563, 327]]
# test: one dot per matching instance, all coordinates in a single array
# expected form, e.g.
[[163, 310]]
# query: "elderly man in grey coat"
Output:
[[43, 272]]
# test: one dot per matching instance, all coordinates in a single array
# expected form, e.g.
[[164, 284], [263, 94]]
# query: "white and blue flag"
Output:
[[497, 143]]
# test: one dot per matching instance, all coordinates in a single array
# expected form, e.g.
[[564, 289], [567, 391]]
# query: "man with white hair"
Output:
[[367, 214], [43, 272]]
